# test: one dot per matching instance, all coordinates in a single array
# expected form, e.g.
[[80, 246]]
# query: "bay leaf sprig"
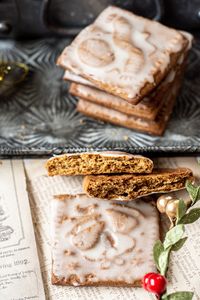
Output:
[[175, 239], [178, 296]]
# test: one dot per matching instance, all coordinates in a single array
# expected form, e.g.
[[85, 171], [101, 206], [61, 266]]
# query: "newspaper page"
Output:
[[184, 268], [20, 275]]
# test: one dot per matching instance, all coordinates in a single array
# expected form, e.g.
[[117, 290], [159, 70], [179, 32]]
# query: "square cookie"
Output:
[[148, 108], [124, 54], [154, 127], [100, 242]]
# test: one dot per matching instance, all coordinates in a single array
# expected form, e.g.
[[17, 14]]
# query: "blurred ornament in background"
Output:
[[11, 74]]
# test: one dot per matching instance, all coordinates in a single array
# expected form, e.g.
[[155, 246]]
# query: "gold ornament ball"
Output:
[[162, 202], [171, 208]]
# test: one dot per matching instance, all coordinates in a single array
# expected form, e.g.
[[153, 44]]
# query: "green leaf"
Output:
[[157, 250], [163, 261], [179, 244], [182, 208], [194, 191], [191, 217], [178, 296], [173, 235]]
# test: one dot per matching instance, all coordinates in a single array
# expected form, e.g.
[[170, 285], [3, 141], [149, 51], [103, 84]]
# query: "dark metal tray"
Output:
[[41, 119]]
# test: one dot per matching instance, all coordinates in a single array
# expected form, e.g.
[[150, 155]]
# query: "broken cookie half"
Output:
[[101, 242], [108, 162], [127, 187]]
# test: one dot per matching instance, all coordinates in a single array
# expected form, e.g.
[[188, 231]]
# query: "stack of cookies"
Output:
[[97, 240], [126, 70]]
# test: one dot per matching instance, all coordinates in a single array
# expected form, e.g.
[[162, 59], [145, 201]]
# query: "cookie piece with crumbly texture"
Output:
[[124, 54], [101, 243], [107, 162], [129, 187]]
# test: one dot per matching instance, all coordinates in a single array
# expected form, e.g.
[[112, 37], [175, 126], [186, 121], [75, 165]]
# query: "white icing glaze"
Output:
[[102, 154], [189, 37], [114, 254], [171, 76], [122, 50], [85, 86], [68, 75], [145, 107]]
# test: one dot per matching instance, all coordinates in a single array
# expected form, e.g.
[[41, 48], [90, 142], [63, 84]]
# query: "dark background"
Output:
[[40, 18]]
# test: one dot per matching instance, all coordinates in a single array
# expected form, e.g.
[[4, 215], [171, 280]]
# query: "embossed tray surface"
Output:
[[40, 118]]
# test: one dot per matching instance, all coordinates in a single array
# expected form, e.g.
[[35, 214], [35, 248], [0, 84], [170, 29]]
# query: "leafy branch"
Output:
[[174, 239]]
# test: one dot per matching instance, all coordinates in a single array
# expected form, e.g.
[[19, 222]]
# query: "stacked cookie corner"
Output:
[[126, 70], [105, 234]]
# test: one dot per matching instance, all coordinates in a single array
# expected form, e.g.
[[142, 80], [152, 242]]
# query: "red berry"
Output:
[[154, 283]]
